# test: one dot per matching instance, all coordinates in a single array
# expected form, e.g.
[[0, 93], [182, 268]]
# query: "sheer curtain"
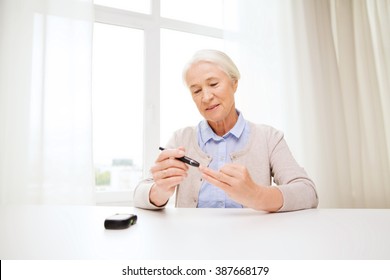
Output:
[[319, 71], [45, 102]]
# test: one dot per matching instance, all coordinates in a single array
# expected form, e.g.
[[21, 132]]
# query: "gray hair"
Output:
[[216, 57]]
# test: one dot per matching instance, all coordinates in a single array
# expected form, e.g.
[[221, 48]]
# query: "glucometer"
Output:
[[185, 159], [120, 221]]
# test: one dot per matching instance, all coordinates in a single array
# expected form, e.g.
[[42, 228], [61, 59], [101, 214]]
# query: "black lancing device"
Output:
[[185, 159]]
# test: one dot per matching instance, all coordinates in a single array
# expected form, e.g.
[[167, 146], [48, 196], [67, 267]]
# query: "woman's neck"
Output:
[[222, 127]]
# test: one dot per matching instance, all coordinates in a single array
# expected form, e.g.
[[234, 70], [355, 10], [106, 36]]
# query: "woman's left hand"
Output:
[[236, 181]]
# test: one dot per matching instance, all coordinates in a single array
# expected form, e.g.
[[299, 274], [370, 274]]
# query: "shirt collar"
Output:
[[207, 133]]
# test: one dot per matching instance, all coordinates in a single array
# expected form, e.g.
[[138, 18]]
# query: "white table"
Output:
[[77, 232]]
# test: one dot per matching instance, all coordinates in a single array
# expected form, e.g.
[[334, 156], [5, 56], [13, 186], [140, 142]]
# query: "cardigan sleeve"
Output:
[[298, 190]]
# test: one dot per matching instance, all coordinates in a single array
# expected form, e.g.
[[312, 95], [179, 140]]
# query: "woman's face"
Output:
[[213, 92]]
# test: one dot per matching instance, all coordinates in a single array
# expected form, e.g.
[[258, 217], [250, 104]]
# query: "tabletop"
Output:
[[77, 232]]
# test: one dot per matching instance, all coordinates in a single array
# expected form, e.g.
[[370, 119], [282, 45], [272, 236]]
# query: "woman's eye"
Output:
[[197, 91], [214, 84]]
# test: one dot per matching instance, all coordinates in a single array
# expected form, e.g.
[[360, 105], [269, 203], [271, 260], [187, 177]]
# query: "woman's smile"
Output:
[[212, 107]]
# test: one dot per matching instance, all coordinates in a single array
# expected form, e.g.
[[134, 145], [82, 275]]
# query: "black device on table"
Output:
[[120, 221]]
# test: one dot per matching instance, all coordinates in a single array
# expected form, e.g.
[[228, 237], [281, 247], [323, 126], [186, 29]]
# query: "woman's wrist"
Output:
[[268, 199], [158, 197]]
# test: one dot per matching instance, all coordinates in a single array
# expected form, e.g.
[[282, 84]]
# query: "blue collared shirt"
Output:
[[219, 149]]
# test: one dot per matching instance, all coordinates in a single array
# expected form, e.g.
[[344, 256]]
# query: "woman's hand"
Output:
[[236, 181], [167, 173]]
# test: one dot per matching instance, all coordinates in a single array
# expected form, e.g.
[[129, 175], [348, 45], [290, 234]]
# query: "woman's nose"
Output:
[[207, 94]]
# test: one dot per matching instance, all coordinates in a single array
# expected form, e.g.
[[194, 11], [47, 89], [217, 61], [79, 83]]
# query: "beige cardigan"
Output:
[[266, 156]]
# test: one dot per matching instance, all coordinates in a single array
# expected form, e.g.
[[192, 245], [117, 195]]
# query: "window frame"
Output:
[[151, 24]]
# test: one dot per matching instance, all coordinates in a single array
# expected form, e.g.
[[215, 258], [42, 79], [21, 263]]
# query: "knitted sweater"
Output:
[[266, 157]]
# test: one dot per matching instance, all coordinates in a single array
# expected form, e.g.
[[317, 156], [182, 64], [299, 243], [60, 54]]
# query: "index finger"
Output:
[[233, 170], [209, 172], [214, 177], [220, 176]]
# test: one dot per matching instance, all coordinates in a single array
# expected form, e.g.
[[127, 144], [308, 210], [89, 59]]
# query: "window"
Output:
[[138, 56], [142, 6], [202, 12], [173, 90], [117, 101]]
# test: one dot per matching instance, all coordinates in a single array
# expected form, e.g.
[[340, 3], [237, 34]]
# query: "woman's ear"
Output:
[[235, 85]]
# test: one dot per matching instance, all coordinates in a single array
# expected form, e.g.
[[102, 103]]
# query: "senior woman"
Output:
[[238, 159]]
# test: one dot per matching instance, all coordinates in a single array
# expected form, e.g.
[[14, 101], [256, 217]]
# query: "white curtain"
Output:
[[319, 71], [45, 102]]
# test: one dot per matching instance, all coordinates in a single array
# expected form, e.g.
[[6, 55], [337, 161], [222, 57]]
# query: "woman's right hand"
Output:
[[167, 173]]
